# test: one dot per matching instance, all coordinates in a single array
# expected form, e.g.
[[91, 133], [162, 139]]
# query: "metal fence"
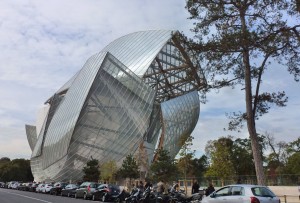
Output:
[[274, 180], [289, 199]]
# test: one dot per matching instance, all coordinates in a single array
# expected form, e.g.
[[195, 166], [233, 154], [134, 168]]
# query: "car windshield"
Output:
[[262, 192]]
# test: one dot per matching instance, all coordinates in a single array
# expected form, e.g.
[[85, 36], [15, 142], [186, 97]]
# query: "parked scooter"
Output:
[[181, 197], [120, 197], [134, 197]]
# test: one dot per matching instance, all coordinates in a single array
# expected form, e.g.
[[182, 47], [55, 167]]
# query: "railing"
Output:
[[289, 199]]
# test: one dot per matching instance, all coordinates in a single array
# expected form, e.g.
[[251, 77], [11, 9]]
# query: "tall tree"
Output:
[[238, 40], [164, 167], [129, 168], [91, 171]]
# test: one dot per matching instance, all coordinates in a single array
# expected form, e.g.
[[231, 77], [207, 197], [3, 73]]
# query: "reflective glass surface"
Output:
[[137, 95]]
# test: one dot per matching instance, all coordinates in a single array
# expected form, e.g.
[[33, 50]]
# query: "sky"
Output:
[[44, 43]]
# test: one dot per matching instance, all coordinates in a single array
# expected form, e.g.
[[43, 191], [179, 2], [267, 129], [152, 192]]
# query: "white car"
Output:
[[47, 188], [39, 187], [241, 193]]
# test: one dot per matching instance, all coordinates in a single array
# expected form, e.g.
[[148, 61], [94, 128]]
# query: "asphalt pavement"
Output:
[[15, 196]]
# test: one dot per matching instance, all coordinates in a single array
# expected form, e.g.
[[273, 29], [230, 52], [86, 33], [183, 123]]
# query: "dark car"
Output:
[[85, 189], [24, 186], [32, 187], [106, 192], [57, 187], [69, 190]]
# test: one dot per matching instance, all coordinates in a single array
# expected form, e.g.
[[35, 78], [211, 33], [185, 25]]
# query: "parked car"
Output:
[[33, 186], [85, 189], [242, 194], [15, 185], [69, 190], [106, 192], [40, 187], [57, 187], [2, 184], [47, 188], [24, 186]]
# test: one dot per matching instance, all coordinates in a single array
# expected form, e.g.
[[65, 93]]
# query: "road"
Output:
[[15, 196]]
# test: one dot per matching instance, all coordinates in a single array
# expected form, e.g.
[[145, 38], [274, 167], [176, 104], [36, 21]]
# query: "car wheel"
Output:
[[84, 196], [103, 198], [75, 196], [93, 198], [68, 194]]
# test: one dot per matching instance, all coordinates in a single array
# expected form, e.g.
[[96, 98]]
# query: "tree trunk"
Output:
[[250, 115]]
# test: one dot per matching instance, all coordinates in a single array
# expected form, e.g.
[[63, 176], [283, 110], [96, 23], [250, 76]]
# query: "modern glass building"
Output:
[[138, 94]]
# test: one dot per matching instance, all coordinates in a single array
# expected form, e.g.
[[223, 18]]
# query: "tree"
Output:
[[185, 164], [91, 171], [200, 166], [293, 164], [108, 171], [17, 169], [164, 167], [129, 168], [239, 40], [278, 157], [220, 154], [242, 157]]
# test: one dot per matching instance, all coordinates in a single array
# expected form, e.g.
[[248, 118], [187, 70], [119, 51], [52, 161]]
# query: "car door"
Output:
[[219, 196], [81, 189], [236, 195]]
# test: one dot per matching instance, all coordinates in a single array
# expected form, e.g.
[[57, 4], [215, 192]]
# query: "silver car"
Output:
[[242, 194]]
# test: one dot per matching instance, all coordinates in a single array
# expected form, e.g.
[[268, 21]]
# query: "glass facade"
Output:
[[138, 94]]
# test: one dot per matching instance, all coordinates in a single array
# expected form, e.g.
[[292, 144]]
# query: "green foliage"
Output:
[[164, 168], [185, 161], [91, 171], [17, 169], [220, 152], [242, 157], [294, 146], [293, 164], [200, 166], [108, 171], [129, 168]]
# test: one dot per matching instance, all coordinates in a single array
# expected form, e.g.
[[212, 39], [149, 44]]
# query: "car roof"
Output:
[[246, 185]]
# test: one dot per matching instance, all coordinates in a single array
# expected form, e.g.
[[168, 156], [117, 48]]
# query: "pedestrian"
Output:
[[141, 186], [148, 184], [210, 189], [195, 187], [175, 187], [161, 187]]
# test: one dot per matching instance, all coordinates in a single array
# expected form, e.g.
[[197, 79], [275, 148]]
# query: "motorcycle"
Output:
[[180, 196], [134, 196], [120, 197]]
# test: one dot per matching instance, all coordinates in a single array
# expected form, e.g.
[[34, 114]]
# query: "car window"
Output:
[[262, 192], [222, 192], [237, 190]]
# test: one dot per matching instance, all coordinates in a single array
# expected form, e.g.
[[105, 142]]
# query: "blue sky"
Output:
[[44, 43]]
